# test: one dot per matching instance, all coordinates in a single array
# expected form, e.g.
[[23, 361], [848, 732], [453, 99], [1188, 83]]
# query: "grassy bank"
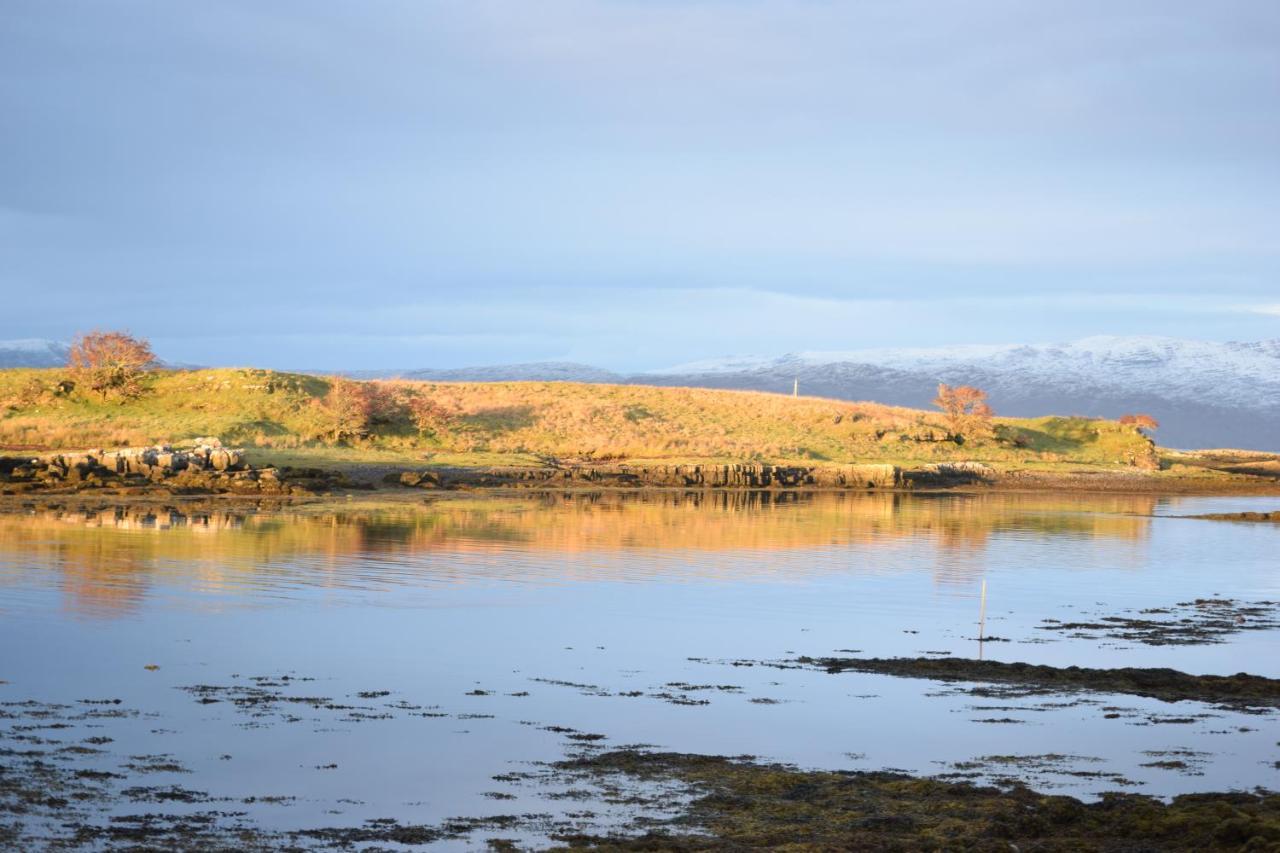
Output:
[[288, 419], [284, 416]]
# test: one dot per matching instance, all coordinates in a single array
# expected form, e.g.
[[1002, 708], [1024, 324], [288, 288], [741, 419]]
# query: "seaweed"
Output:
[[1238, 691]]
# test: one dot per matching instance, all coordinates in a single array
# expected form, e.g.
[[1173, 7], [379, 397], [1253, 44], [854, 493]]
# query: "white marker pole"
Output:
[[982, 614]]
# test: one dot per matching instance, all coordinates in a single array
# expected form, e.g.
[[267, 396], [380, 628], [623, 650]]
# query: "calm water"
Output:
[[487, 620]]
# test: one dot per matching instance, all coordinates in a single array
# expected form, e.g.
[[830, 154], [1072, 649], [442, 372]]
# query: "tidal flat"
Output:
[[565, 669]]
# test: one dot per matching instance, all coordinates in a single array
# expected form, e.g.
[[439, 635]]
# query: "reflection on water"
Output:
[[504, 621], [106, 558]]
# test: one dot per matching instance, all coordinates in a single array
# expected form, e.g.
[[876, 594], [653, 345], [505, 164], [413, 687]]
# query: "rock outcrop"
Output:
[[206, 468], [943, 474]]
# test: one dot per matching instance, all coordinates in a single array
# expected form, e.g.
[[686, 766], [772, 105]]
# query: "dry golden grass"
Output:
[[524, 421]]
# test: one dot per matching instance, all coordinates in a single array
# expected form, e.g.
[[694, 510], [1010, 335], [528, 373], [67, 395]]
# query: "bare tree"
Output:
[[965, 408], [111, 362]]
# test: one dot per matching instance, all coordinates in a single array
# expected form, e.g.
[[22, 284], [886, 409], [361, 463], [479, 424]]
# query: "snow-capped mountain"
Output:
[[1203, 393], [32, 352], [1228, 374]]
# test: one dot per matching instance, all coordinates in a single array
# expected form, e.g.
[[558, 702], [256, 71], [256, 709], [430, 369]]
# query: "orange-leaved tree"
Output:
[[429, 416], [110, 362], [346, 411], [965, 408], [1140, 421]]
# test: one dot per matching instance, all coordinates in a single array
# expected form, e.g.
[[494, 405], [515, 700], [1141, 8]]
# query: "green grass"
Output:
[[280, 418]]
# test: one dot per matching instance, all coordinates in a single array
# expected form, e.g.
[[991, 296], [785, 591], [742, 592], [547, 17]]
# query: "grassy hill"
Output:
[[284, 417]]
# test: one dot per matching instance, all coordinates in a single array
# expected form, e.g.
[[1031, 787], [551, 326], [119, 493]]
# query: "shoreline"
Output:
[[317, 484]]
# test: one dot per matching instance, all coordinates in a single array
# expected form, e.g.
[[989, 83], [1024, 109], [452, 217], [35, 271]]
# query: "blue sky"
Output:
[[635, 184]]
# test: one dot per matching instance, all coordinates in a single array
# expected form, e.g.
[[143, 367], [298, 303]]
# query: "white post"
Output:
[[982, 614], [795, 388]]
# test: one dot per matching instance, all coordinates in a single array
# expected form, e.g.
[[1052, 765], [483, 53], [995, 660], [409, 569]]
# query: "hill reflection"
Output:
[[105, 560]]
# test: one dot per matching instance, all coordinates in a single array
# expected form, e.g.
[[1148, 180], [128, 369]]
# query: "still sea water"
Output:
[[325, 666]]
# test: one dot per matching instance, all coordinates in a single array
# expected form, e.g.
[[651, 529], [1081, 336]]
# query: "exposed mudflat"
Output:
[[1273, 517], [1205, 620], [742, 804], [1241, 690], [61, 788]]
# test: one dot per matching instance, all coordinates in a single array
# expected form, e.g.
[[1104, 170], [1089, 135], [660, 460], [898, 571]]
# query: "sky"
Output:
[[634, 183]]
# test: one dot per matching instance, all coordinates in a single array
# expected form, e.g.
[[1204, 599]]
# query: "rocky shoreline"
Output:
[[208, 468], [938, 476]]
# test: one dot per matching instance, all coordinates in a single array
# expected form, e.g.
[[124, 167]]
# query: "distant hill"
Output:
[[32, 352], [543, 371], [1204, 394], [39, 352]]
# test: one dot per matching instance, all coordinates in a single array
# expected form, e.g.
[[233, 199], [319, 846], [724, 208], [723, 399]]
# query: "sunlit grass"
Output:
[[275, 415]]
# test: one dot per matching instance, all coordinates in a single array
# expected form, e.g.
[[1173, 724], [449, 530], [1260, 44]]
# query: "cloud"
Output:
[[659, 328], [494, 169]]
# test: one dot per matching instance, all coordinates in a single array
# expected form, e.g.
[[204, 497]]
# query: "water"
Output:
[[487, 621]]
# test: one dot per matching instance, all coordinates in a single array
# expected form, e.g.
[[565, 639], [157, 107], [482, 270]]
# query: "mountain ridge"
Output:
[[33, 352], [1206, 394]]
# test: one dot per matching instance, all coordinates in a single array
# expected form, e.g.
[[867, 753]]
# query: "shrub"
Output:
[[387, 404], [345, 412], [110, 362], [1140, 421], [429, 416], [965, 409]]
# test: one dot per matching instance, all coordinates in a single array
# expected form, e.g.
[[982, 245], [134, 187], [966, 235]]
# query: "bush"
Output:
[[430, 417], [1140, 421], [966, 410], [111, 362], [345, 412], [387, 403]]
